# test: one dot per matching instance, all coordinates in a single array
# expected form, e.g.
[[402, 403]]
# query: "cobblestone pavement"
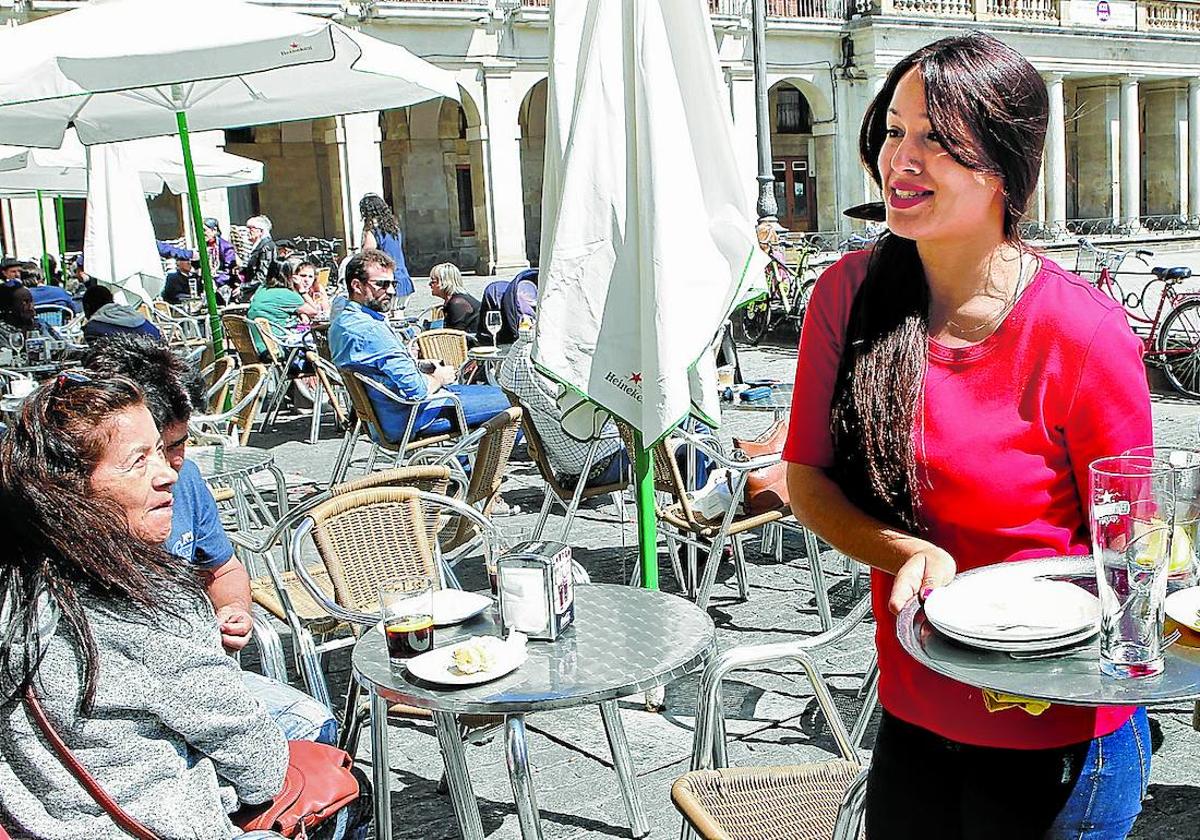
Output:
[[773, 718]]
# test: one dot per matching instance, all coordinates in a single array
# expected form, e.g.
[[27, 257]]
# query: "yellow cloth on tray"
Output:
[[996, 701]]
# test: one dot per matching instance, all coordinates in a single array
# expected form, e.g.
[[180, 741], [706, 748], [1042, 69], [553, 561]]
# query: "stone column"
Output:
[[1055, 170], [360, 168], [1130, 172], [502, 156], [1193, 148]]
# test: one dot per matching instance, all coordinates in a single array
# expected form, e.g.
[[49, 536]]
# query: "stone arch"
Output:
[[794, 155], [532, 118]]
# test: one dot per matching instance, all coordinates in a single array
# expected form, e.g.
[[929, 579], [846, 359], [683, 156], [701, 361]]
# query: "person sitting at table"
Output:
[[46, 293], [18, 317], [304, 279], [513, 299], [114, 638], [181, 283], [957, 386], [10, 270], [538, 396], [105, 317], [172, 391], [278, 302], [460, 311], [361, 341]]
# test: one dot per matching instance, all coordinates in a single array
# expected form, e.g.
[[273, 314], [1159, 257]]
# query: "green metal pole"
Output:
[[210, 291], [643, 483], [61, 218], [42, 226]]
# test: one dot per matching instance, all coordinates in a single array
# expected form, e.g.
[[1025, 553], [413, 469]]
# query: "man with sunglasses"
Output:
[[361, 340]]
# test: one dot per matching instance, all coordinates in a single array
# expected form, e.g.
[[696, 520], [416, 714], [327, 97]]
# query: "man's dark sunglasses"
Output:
[[384, 284]]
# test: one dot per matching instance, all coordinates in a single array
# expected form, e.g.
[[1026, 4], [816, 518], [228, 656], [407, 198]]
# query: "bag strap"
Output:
[[126, 822]]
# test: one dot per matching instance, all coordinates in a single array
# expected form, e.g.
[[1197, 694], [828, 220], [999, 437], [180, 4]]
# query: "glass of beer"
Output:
[[407, 606]]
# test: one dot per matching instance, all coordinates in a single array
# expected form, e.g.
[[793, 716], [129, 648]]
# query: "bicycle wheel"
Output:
[[1179, 347], [756, 320], [800, 302]]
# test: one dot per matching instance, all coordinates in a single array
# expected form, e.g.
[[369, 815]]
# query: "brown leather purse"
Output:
[[318, 783], [766, 487]]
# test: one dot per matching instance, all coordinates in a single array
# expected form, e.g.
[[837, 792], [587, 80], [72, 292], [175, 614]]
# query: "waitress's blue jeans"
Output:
[[924, 786]]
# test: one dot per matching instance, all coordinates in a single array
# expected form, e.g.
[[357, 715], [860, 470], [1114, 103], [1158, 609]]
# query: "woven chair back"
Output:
[[431, 478], [363, 406], [368, 536], [220, 369], [448, 345], [667, 477], [251, 378], [487, 473], [266, 333], [239, 238], [237, 333]]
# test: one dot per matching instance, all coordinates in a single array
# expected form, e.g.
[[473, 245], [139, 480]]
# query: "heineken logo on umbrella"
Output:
[[631, 384], [294, 48]]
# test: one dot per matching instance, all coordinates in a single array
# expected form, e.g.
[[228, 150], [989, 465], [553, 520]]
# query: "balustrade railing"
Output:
[[1178, 17], [1033, 10]]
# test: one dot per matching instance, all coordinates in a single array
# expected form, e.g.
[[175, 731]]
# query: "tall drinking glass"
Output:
[[407, 606], [1183, 570], [1131, 511]]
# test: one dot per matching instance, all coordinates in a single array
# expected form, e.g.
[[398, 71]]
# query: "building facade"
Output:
[[464, 178]]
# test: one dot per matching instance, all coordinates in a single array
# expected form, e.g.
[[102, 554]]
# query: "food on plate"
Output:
[[475, 655]]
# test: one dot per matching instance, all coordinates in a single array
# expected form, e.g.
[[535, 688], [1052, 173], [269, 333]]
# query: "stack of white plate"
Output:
[[1012, 613]]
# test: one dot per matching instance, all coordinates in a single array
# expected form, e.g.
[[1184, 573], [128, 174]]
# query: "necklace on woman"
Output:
[[1002, 311]]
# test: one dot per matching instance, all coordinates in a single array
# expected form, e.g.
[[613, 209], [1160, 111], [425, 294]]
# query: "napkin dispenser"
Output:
[[537, 591]]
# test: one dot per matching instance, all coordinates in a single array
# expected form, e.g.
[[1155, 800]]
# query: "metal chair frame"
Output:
[[709, 748]]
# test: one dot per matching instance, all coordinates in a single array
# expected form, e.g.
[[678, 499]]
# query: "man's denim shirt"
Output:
[[361, 340]]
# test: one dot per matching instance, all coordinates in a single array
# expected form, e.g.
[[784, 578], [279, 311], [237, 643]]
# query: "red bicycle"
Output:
[[1171, 335]]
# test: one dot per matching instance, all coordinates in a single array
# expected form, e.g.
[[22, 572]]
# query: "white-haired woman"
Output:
[[461, 310], [262, 255]]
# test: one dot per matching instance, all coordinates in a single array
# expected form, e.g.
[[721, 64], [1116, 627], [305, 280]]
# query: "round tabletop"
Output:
[[1073, 679], [779, 399], [218, 462], [489, 352], [623, 641]]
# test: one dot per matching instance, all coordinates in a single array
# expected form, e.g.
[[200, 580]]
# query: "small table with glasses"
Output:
[[623, 641], [235, 467], [489, 357]]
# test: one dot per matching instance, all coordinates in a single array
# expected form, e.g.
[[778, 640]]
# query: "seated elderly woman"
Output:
[[278, 302], [113, 637]]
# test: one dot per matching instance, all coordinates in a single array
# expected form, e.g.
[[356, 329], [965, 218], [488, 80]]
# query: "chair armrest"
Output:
[[270, 649], [714, 453], [708, 696]]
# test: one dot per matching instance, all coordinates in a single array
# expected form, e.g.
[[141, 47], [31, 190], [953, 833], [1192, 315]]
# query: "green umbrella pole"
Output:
[[643, 483], [61, 217], [210, 291], [45, 250]]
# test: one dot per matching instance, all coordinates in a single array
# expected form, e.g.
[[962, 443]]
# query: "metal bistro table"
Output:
[[623, 641], [779, 401], [1073, 679], [235, 467], [489, 357]]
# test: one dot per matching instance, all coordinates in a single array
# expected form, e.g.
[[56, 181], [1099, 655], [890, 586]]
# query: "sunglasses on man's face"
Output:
[[386, 285]]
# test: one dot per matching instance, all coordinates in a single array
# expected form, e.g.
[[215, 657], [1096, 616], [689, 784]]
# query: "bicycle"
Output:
[[1171, 336], [323, 253], [788, 293]]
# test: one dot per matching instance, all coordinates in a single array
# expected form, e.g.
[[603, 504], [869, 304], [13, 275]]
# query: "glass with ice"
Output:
[[1183, 570], [1132, 506]]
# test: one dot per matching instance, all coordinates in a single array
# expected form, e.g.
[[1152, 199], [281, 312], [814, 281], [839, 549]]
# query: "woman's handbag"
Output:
[[766, 487], [317, 785]]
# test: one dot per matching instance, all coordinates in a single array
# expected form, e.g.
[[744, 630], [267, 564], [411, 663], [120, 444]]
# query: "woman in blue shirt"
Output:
[[382, 231]]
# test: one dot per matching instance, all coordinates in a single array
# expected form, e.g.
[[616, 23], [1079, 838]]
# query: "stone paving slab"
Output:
[[773, 717]]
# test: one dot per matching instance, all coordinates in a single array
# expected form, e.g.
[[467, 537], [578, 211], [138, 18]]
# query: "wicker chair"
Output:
[[568, 496], [277, 589], [689, 526], [239, 336], [232, 426], [216, 383], [360, 388], [780, 803], [448, 345]]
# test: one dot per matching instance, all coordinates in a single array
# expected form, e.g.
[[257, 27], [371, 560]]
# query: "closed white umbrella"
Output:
[[647, 227], [157, 160], [118, 240], [110, 70]]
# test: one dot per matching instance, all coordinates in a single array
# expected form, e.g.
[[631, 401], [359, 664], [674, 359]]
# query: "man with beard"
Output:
[[361, 340]]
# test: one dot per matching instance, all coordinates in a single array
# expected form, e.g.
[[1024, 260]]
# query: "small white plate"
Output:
[[437, 666], [1183, 606], [1012, 646], [1005, 608], [484, 351], [454, 606]]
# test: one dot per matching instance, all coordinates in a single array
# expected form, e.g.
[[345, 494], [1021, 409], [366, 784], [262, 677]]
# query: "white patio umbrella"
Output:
[[157, 160], [647, 227], [118, 240], [110, 70]]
